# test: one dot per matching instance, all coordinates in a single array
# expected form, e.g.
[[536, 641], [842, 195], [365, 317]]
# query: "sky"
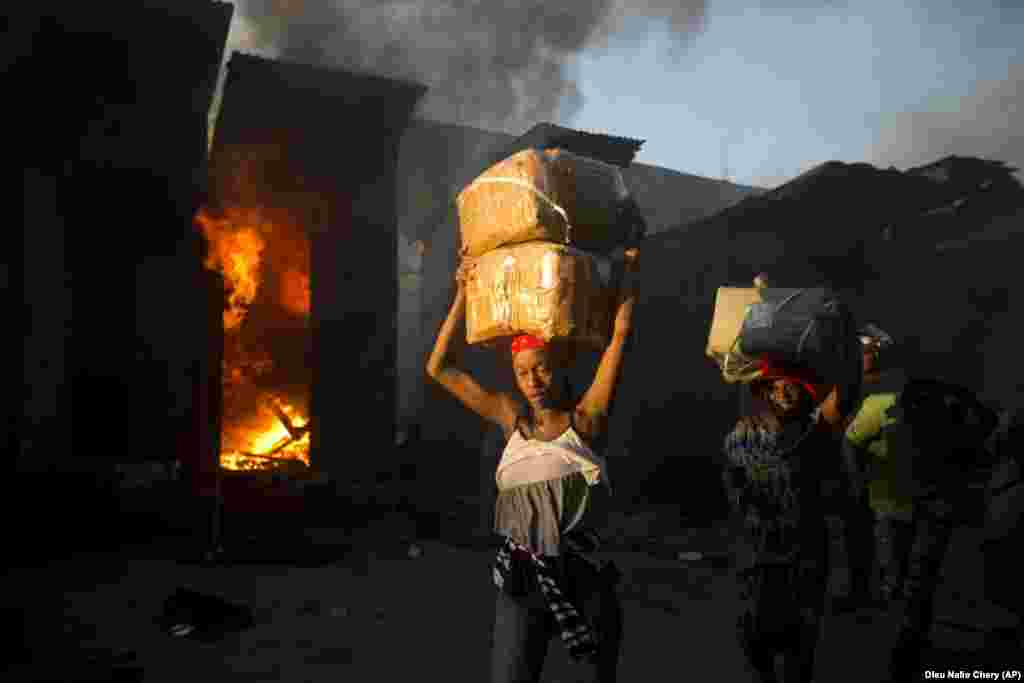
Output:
[[754, 90], [762, 95]]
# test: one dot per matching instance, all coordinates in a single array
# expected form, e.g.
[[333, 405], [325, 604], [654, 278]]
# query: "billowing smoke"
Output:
[[986, 123], [492, 64]]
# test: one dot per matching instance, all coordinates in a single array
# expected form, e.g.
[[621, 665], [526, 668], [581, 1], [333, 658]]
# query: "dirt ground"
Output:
[[367, 611]]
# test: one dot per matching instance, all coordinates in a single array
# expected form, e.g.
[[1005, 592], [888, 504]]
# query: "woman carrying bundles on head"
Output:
[[551, 483], [778, 461]]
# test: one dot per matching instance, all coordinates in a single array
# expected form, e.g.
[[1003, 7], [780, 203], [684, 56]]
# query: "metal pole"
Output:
[[215, 393]]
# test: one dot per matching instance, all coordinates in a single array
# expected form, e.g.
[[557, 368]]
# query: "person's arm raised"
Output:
[[596, 402], [493, 407]]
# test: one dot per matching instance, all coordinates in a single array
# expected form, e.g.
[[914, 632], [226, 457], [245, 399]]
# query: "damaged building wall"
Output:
[[953, 309], [116, 171], [317, 149]]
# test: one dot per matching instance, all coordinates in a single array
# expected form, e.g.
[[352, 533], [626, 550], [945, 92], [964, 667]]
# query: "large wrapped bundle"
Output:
[[731, 307], [809, 328], [540, 288], [549, 195]]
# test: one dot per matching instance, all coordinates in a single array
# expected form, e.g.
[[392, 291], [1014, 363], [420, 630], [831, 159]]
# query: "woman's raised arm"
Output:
[[596, 403], [494, 407]]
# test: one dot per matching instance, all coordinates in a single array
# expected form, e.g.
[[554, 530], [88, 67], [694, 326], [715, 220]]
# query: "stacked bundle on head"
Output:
[[756, 327], [541, 225]]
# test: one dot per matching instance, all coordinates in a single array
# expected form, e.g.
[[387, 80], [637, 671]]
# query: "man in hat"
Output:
[[875, 511], [913, 450]]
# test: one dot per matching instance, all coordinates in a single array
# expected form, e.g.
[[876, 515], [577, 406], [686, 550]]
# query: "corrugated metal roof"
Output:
[[610, 149], [613, 150]]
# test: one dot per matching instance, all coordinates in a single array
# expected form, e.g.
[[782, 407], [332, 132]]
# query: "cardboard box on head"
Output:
[[543, 289], [549, 195], [731, 306]]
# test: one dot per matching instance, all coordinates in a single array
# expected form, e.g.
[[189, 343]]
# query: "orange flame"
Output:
[[236, 248], [262, 432], [295, 294], [276, 445]]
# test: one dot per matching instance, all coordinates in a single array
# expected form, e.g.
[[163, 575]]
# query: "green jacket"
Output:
[[890, 484]]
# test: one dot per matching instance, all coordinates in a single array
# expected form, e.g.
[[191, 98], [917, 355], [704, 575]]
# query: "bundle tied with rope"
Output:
[[547, 229], [757, 328]]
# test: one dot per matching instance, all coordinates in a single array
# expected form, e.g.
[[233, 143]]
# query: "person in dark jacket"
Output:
[[942, 433]]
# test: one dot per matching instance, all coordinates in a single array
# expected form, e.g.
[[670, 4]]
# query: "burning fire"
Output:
[[236, 248], [295, 295], [285, 440], [261, 430]]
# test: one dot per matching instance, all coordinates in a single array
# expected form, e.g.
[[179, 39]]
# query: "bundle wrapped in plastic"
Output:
[[543, 289], [809, 328], [550, 195]]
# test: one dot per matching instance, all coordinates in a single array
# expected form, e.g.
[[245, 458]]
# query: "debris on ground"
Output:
[[191, 614]]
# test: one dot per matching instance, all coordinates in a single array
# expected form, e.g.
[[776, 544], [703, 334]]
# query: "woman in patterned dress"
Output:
[[777, 463]]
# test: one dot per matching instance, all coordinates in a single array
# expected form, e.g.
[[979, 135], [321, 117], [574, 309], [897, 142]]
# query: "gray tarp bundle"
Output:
[[809, 328]]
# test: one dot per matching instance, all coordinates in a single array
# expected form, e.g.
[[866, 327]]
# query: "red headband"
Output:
[[772, 371], [527, 341]]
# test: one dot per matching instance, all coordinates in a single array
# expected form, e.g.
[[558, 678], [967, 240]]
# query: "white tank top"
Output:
[[528, 461]]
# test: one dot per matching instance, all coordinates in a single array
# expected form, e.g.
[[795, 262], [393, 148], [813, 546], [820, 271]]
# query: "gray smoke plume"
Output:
[[987, 124], [489, 63]]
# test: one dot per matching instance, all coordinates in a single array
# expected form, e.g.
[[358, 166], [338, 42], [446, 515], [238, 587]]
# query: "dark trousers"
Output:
[[894, 537], [859, 537], [931, 533], [524, 629], [785, 609]]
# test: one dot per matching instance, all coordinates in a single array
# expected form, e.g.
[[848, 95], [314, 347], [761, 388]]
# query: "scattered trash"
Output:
[[190, 614]]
